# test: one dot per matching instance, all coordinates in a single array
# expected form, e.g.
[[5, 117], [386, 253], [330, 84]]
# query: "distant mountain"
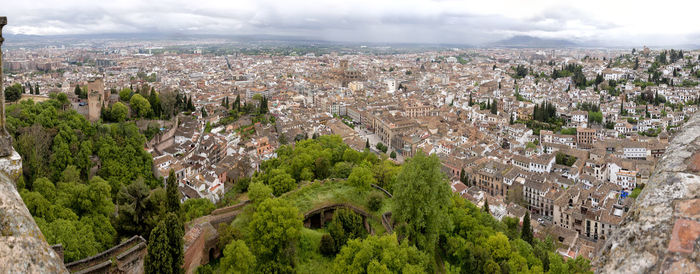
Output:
[[523, 41]]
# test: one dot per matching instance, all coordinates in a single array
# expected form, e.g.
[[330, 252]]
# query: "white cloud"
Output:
[[612, 21]]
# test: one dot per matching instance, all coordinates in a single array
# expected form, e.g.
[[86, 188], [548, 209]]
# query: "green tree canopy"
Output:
[[237, 258], [14, 92], [421, 198], [361, 177], [381, 255], [140, 106], [274, 234]]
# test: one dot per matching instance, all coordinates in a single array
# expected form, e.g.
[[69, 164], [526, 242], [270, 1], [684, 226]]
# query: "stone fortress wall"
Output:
[[661, 233]]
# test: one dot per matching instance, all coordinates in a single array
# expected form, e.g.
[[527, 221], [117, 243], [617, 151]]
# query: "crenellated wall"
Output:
[[661, 233]]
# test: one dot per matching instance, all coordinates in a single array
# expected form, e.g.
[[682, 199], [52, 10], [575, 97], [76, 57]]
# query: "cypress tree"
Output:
[[486, 206], [526, 233], [173, 198], [158, 259]]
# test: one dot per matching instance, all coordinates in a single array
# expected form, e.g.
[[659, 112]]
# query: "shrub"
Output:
[[374, 201], [327, 246]]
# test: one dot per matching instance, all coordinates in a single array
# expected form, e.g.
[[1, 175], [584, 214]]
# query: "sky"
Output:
[[604, 22]]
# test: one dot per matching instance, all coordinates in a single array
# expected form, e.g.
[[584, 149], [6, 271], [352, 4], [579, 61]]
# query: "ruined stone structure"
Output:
[[96, 98], [661, 233], [127, 257], [202, 235], [318, 217]]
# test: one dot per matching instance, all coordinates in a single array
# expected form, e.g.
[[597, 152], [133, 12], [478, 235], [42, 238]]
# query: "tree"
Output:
[[63, 100], [383, 254], [173, 195], [204, 112], [78, 92], [154, 101], [421, 197], [237, 258], [327, 246], [346, 225], [494, 107], [283, 139], [237, 103], [393, 155], [361, 177], [124, 94], [258, 192], [132, 199], [176, 232], [526, 233], [367, 144], [486, 206], [281, 182], [119, 112], [168, 103], [140, 106], [13, 92], [274, 233], [374, 200], [82, 160], [158, 258]]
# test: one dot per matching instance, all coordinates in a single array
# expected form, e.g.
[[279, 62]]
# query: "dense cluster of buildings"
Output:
[[575, 178]]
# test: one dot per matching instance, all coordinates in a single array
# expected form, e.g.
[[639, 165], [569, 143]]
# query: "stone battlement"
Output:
[[661, 232]]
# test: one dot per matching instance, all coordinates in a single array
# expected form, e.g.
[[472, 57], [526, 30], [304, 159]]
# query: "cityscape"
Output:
[[273, 152]]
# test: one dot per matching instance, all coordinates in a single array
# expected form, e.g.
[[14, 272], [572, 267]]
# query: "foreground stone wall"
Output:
[[23, 249], [661, 232]]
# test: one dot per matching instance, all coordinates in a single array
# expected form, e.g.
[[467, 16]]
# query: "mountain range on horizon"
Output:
[[517, 41]]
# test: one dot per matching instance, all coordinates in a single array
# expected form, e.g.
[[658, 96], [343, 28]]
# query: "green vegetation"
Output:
[[421, 198], [381, 147], [636, 191], [381, 255], [564, 159], [14, 92], [274, 234], [195, 208], [165, 246], [346, 225], [519, 72], [545, 117], [575, 72], [435, 231], [60, 149], [73, 213], [569, 131]]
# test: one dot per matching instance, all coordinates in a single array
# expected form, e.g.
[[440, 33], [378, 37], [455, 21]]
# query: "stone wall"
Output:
[[126, 257], [661, 232], [23, 249]]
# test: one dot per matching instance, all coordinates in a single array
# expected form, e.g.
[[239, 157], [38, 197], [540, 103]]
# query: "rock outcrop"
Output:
[[23, 248], [661, 232]]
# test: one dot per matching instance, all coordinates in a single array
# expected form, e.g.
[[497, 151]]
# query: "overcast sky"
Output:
[[609, 22]]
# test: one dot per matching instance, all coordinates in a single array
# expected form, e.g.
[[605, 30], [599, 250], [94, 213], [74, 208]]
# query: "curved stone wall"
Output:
[[661, 233]]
